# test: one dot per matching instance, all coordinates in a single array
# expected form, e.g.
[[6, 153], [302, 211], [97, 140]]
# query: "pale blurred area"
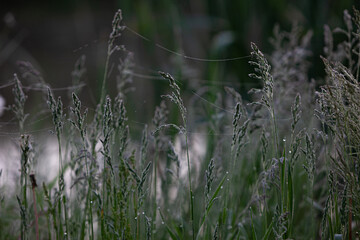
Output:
[[2, 105]]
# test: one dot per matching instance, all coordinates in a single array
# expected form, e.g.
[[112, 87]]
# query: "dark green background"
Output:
[[53, 34]]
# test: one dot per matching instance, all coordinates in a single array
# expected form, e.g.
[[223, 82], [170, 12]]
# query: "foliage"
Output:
[[266, 175]]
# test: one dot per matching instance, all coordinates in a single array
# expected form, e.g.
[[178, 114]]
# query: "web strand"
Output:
[[183, 55]]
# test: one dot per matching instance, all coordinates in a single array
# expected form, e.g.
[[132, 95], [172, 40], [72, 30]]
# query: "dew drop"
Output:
[[135, 218], [227, 179], [289, 151], [162, 223], [143, 213], [284, 140], [222, 187], [227, 172]]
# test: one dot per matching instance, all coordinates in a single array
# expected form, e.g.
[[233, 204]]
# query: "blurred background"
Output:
[[52, 35]]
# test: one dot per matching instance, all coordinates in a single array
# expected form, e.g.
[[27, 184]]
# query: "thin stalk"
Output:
[[60, 156], [350, 216], [66, 218], [61, 231], [33, 183], [91, 215], [24, 198], [116, 32], [102, 222], [103, 90], [227, 190], [82, 228], [48, 225], [138, 227], [51, 211], [104, 206], [115, 209], [350, 198], [23, 162], [290, 200], [155, 186], [62, 197], [312, 214], [190, 187], [276, 143], [282, 185], [137, 217], [89, 194]]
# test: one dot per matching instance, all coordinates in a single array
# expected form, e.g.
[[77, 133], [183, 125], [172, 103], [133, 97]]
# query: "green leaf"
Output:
[[253, 232], [173, 235], [211, 202], [290, 200], [268, 231]]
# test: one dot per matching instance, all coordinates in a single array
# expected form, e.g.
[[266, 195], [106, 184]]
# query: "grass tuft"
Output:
[[281, 163]]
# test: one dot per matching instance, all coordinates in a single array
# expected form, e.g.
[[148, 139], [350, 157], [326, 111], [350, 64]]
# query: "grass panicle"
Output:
[[263, 73], [223, 167], [79, 122], [19, 105], [117, 29], [175, 97], [26, 158]]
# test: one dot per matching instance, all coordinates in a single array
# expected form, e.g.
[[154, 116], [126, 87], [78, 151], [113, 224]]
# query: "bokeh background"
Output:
[[52, 35]]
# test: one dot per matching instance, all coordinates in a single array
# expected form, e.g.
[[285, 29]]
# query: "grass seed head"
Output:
[[175, 96], [20, 99], [56, 108]]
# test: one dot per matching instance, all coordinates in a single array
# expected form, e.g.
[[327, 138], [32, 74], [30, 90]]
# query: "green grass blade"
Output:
[[211, 202], [331, 232], [253, 231], [172, 234], [268, 231], [290, 201]]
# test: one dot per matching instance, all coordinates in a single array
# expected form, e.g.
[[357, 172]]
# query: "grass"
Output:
[[271, 170]]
